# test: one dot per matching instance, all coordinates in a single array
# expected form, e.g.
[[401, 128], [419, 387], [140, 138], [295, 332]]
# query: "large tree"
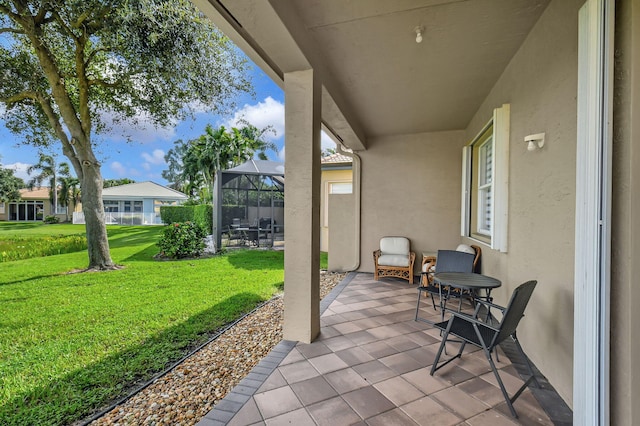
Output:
[[10, 185], [71, 68]]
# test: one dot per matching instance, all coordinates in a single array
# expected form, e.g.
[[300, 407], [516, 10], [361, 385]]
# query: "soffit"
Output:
[[380, 79]]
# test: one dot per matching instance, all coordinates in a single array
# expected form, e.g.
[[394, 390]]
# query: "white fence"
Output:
[[122, 218]]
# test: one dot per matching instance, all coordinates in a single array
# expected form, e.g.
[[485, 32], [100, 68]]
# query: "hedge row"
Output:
[[201, 214]]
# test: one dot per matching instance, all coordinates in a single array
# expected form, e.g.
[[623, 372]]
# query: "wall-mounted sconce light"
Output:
[[534, 141], [418, 30]]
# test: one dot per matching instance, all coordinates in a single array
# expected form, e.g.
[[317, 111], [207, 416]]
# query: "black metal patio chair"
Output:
[[448, 261], [470, 329]]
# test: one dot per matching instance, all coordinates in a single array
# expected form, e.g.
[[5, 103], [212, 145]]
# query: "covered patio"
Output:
[[436, 99], [370, 365]]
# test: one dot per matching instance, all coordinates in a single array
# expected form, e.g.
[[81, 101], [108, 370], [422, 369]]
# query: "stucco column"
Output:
[[302, 206]]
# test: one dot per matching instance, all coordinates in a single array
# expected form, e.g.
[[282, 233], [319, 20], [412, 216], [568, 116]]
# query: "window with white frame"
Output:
[[1, 208], [340, 187], [485, 182], [61, 209], [111, 206], [485, 174]]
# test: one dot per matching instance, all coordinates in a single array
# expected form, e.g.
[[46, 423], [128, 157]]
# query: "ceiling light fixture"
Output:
[[418, 31]]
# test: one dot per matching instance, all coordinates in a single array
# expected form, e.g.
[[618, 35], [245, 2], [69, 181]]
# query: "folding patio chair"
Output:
[[448, 261], [488, 336]]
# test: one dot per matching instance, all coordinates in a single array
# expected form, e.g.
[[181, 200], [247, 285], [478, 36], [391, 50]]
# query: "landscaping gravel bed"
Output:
[[191, 389]]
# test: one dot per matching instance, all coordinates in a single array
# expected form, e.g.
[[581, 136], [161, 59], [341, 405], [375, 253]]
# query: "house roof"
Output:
[[146, 189], [41, 193], [258, 167], [336, 159]]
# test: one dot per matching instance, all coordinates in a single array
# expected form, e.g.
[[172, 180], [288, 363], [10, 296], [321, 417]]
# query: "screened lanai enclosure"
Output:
[[250, 205]]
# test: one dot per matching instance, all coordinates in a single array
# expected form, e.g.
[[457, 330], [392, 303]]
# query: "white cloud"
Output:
[[156, 157], [263, 114], [139, 129], [118, 168], [270, 113], [19, 170], [122, 170]]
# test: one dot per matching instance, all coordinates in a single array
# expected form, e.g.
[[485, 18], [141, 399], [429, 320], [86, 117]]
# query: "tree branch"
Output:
[[80, 21], [11, 30], [94, 53], [39, 19], [20, 97], [54, 120], [98, 21], [14, 16], [63, 25]]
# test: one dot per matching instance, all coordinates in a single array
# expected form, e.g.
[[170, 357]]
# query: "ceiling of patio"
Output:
[[381, 81]]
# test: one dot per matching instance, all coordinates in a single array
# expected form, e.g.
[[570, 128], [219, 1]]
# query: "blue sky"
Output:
[[143, 158]]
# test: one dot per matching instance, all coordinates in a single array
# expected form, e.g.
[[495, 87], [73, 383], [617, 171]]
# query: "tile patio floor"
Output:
[[370, 366]]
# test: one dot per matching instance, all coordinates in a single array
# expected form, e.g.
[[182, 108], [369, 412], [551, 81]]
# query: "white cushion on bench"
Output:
[[393, 260]]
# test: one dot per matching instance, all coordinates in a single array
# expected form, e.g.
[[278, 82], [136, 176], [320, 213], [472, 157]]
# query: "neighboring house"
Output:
[[336, 179], [34, 205], [409, 87], [136, 203]]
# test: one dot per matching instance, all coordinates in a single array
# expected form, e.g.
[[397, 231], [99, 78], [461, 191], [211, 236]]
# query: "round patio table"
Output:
[[469, 281]]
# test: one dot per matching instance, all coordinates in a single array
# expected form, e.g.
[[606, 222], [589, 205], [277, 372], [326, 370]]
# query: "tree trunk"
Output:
[[93, 209], [55, 194]]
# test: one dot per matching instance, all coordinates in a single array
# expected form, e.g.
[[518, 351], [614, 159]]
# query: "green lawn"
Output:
[[70, 343]]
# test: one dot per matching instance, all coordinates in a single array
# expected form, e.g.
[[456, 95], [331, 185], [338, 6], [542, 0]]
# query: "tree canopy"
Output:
[[71, 69], [10, 185], [192, 165], [108, 183]]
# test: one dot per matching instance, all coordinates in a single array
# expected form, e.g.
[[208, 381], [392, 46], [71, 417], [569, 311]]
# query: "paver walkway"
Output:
[[370, 366]]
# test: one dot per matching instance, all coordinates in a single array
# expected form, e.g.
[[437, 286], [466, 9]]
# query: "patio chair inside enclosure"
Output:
[[394, 258], [448, 261], [487, 336]]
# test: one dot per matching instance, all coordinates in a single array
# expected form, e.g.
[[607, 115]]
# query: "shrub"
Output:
[[200, 214], [51, 219], [181, 239], [176, 214], [203, 216]]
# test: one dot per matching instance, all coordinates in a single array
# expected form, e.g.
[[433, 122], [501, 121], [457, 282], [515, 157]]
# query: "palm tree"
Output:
[[193, 165], [253, 140], [50, 171], [69, 192]]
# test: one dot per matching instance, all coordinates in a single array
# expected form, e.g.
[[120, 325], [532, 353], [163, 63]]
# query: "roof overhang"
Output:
[[377, 81]]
